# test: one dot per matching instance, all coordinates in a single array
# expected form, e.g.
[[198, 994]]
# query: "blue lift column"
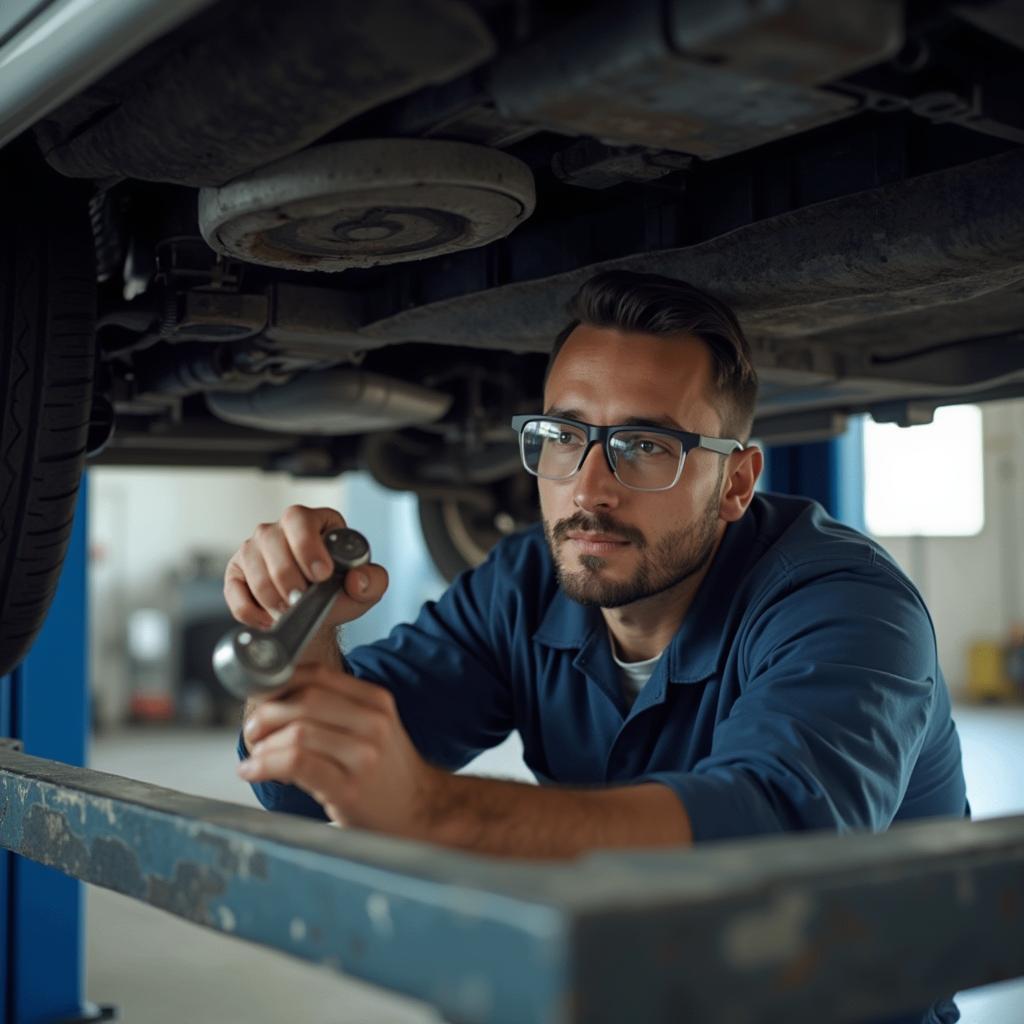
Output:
[[44, 703], [830, 472]]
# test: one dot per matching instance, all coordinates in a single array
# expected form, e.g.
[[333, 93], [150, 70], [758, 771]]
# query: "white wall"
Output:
[[145, 524], [145, 519], [973, 585]]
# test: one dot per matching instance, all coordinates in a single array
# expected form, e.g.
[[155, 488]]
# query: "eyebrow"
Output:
[[633, 421]]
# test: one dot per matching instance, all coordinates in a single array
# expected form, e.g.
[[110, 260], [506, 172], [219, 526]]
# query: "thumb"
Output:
[[366, 584]]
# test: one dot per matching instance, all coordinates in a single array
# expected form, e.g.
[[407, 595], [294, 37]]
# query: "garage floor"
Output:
[[159, 969]]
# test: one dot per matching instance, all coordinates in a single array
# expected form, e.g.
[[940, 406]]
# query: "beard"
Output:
[[670, 560]]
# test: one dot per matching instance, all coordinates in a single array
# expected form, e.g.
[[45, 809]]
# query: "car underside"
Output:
[[343, 236]]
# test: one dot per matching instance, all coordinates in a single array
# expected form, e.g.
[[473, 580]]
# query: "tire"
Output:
[[459, 535], [47, 366]]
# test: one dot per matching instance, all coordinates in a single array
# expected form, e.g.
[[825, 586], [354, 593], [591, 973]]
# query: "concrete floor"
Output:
[[158, 969]]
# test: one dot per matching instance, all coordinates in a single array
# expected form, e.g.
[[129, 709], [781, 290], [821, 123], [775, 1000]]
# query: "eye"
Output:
[[631, 446]]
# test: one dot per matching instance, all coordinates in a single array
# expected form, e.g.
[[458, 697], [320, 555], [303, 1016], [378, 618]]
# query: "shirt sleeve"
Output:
[[277, 796], [448, 671], [840, 675]]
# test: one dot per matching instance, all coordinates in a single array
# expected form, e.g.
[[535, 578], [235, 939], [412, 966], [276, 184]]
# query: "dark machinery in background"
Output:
[[848, 176], [636, 122]]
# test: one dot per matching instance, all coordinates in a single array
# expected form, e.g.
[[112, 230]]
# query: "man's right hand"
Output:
[[280, 558], [287, 556]]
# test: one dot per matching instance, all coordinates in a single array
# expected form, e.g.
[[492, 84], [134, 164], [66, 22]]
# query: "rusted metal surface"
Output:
[[906, 249], [680, 77], [816, 928], [837, 299], [367, 202]]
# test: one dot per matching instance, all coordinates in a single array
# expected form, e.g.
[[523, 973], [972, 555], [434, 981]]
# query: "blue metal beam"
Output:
[[803, 928]]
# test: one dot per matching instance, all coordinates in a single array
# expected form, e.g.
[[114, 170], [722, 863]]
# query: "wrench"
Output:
[[250, 661]]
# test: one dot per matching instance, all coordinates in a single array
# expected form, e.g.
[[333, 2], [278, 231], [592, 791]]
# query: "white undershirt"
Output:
[[633, 675]]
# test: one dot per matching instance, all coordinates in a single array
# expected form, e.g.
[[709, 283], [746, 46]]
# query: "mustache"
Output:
[[597, 522]]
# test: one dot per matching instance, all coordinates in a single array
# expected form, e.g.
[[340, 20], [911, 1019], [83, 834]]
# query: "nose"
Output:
[[594, 485]]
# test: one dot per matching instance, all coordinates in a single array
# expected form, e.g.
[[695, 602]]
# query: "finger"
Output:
[[249, 558], [279, 563], [303, 529], [254, 702], [354, 753], [353, 600], [322, 777], [316, 704], [240, 600], [367, 584], [317, 674]]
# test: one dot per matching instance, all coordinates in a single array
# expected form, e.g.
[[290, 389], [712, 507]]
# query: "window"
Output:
[[925, 481]]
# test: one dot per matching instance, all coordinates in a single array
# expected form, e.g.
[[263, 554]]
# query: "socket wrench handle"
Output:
[[251, 661]]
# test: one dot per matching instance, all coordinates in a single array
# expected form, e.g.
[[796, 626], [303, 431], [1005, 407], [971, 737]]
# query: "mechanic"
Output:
[[684, 659]]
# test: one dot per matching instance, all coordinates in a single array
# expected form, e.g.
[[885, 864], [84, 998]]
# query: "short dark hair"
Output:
[[652, 304]]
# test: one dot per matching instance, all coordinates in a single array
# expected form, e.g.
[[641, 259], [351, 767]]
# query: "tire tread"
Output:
[[47, 353]]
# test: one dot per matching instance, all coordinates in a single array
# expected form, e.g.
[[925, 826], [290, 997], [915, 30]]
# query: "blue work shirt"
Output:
[[802, 690]]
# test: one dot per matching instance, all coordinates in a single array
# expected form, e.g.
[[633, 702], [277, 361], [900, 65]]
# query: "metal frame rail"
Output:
[[810, 928]]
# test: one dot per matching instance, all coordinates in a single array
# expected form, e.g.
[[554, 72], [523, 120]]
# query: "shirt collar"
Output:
[[567, 624], [700, 644]]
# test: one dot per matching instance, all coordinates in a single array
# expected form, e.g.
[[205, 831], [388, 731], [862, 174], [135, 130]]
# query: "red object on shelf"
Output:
[[152, 707]]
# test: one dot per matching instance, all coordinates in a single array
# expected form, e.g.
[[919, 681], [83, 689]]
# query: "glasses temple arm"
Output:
[[722, 445]]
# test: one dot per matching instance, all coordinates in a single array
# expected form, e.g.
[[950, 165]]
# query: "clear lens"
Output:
[[552, 450], [646, 460]]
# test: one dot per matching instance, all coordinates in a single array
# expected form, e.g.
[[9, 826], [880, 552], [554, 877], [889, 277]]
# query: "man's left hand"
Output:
[[340, 739]]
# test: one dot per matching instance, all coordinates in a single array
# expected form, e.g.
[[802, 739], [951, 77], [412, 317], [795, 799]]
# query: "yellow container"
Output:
[[986, 673]]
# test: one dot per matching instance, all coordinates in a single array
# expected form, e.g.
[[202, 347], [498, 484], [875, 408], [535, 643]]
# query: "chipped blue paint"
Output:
[[464, 950], [812, 928]]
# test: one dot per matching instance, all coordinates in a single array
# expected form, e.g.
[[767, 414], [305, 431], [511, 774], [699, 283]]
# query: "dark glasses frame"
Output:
[[603, 436]]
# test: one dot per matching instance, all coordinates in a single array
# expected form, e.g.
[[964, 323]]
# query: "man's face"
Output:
[[612, 545]]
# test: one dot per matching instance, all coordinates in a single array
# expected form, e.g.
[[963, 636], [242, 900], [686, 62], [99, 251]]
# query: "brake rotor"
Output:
[[366, 203]]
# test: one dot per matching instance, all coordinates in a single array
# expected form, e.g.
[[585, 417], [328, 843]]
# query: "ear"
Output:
[[742, 471]]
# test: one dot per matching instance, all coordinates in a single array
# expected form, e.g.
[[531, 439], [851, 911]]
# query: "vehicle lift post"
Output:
[[44, 707], [830, 472]]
